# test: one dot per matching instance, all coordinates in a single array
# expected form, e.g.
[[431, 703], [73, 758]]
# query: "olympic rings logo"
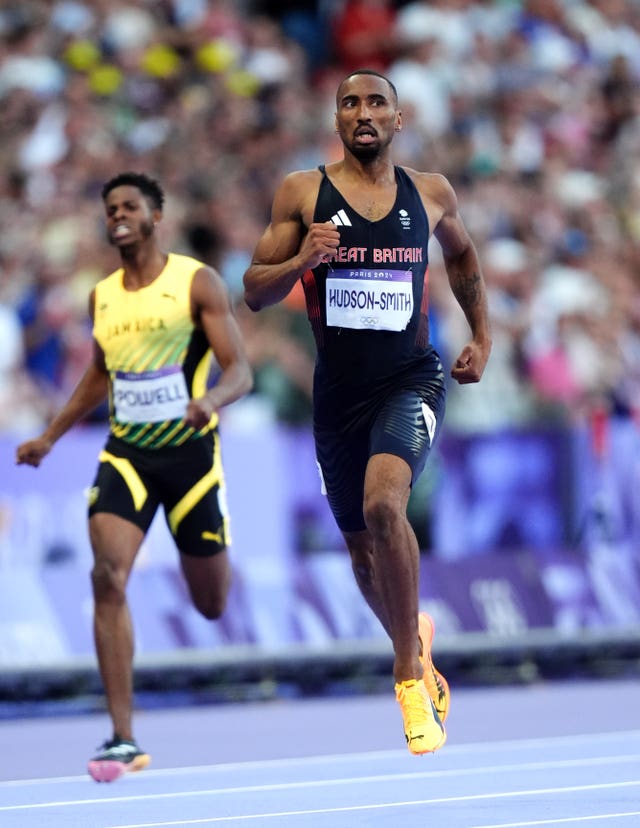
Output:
[[369, 321]]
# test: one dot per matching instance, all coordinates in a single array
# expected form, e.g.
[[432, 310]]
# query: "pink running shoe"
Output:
[[115, 758]]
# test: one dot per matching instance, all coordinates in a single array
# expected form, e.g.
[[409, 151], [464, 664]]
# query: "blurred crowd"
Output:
[[531, 108]]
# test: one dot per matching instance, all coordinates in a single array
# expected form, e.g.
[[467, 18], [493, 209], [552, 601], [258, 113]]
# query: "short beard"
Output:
[[366, 153], [146, 228]]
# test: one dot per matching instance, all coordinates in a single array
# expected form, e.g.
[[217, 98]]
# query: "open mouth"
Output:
[[120, 231], [365, 135]]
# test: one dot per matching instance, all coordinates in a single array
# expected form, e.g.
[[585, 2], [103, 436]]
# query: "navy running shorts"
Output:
[[405, 423]]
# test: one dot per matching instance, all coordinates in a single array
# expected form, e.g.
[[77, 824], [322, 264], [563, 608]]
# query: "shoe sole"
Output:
[[108, 770], [429, 750], [426, 630]]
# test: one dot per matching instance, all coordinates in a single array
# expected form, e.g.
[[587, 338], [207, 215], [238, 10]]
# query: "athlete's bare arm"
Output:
[[91, 390], [464, 272], [287, 248], [211, 308]]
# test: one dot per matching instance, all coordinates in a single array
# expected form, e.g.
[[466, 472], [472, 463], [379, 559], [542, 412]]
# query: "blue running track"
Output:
[[548, 754]]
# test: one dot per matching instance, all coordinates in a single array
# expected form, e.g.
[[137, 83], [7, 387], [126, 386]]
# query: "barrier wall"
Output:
[[526, 531]]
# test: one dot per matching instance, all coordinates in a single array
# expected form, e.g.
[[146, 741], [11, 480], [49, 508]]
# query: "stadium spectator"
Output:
[[532, 114]]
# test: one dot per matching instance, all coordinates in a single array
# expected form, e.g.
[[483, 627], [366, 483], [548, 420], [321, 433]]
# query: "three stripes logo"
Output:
[[341, 219]]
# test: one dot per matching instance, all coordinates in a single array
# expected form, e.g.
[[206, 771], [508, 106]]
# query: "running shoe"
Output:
[[423, 729], [116, 757], [436, 684]]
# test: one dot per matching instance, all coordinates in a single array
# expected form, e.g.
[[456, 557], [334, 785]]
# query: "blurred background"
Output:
[[528, 514]]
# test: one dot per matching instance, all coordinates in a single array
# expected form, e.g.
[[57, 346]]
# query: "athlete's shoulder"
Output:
[[296, 195], [300, 181], [311, 174], [433, 187], [185, 262], [111, 279], [432, 181]]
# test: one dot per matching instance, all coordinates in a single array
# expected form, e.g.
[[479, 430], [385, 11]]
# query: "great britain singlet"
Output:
[[368, 305], [156, 357]]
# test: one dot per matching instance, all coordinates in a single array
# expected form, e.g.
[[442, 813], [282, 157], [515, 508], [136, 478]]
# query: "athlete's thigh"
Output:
[[388, 480], [115, 542], [122, 487], [194, 497], [342, 458]]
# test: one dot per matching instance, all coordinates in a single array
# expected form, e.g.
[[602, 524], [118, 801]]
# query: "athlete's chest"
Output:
[[137, 312], [372, 204], [374, 217], [129, 322]]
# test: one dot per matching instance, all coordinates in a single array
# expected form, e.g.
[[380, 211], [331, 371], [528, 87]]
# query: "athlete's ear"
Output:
[[398, 121], [156, 215]]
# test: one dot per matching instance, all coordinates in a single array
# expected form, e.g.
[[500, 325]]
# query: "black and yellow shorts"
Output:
[[186, 480]]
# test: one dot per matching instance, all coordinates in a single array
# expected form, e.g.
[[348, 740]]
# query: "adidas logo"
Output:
[[341, 219]]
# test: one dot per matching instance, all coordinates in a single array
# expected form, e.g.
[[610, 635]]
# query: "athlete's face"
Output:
[[130, 218], [367, 115]]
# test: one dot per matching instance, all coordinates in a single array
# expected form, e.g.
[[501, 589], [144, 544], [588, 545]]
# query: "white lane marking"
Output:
[[511, 745], [560, 821], [376, 807], [343, 781]]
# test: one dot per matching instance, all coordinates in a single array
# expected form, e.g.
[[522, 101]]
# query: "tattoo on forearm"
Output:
[[467, 289]]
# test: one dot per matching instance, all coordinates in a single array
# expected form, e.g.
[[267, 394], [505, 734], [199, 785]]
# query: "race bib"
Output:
[[381, 300], [150, 397]]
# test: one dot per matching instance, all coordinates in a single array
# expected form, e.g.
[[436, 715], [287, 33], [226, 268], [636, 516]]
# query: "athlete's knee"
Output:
[[212, 605], [379, 512], [109, 582]]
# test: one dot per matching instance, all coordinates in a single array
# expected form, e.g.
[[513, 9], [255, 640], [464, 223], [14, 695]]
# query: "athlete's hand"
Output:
[[32, 452], [199, 412], [320, 243], [471, 363]]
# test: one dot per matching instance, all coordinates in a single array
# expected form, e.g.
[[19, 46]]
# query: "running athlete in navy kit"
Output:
[[356, 232]]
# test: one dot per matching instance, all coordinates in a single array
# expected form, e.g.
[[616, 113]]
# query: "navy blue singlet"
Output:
[[368, 306], [378, 384]]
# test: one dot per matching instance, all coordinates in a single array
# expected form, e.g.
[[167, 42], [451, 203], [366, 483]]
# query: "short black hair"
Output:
[[149, 188], [376, 74]]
